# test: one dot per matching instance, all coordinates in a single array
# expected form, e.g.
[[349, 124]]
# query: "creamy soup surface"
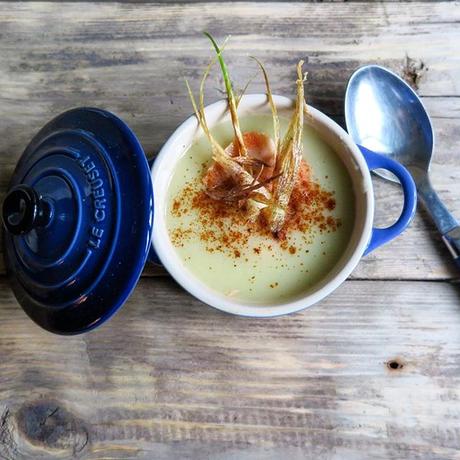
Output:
[[232, 258]]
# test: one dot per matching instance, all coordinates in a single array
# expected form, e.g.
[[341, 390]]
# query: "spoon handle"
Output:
[[444, 220]]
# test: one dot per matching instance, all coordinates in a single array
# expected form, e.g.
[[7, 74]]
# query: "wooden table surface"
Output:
[[371, 372]]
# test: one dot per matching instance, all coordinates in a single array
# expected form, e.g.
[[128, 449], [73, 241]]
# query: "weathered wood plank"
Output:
[[130, 59], [169, 377], [179, 2]]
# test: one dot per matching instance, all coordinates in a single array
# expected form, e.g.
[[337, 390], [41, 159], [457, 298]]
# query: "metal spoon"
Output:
[[383, 114]]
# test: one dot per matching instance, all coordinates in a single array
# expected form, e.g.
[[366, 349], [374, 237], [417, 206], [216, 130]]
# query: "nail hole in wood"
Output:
[[394, 365]]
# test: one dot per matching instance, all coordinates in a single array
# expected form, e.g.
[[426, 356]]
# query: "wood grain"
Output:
[[169, 377], [131, 58], [370, 372]]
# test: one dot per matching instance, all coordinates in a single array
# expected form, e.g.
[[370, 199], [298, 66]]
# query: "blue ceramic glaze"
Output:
[[384, 235], [78, 220]]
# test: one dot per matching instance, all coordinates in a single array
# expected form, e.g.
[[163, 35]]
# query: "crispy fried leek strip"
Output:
[[237, 193], [276, 121], [217, 150], [232, 102], [287, 161], [243, 92], [259, 194]]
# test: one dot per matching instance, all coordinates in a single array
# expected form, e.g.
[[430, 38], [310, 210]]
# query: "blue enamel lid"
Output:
[[78, 218]]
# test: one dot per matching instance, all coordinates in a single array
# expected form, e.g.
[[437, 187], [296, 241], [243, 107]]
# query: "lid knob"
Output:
[[24, 210]]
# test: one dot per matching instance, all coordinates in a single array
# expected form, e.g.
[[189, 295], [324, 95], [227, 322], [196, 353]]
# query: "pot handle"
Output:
[[384, 235]]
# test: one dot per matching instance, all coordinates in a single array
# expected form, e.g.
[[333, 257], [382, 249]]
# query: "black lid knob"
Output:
[[23, 210]]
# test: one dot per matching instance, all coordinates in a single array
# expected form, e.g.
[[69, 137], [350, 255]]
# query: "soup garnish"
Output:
[[254, 170]]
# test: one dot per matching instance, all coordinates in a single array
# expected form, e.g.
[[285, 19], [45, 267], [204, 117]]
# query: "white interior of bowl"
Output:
[[333, 135]]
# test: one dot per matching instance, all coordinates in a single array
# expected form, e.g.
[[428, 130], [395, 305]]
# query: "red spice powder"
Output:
[[223, 226], [176, 206]]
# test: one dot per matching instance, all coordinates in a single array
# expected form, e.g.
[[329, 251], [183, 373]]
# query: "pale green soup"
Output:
[[264, 272]]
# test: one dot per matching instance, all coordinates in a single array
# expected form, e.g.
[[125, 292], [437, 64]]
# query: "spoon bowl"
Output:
[[385, 115]]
